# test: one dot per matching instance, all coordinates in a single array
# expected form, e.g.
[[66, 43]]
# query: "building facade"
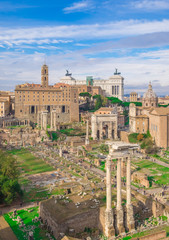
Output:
[[113, 87], [5, 103], [33, 99]]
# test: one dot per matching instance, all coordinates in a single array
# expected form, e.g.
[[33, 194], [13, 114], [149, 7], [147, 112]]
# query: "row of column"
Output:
[[22, 122], [42, 119], [109, 216]]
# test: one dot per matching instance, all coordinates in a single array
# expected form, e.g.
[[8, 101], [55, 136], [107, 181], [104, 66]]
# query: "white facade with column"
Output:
[[114, 86]]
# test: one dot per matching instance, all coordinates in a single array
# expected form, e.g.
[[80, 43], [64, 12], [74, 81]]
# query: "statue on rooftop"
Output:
[[116, 72], [67, 73]]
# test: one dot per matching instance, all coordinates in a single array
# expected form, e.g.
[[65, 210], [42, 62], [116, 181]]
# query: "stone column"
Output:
[[119, 208], [60, 152], [109, 227], [110, 130], [41, 121], [45, 120], [129, 207], [55, 120], [87, 133], [115, 131], [94, 127], [51, 120], [101, 130]]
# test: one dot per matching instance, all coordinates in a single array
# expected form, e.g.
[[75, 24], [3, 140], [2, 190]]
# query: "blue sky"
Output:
[[90, 37]]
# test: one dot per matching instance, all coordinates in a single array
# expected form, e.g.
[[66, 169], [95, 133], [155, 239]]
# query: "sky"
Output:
[[88, 37]]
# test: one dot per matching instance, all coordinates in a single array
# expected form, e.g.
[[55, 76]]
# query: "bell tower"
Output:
[[44, 75]]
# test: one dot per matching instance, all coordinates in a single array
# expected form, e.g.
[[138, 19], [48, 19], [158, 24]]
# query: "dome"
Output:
[[150, 93]]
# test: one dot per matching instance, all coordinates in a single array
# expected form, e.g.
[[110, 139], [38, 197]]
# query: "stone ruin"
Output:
[[115, 222]]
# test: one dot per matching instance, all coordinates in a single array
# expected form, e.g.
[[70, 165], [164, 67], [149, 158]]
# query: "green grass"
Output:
[[27, 217], [29, 163], [154, 169]]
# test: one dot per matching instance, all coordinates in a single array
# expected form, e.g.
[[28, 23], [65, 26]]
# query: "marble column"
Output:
[[100, 131], [45, 120], [87, 133], [94, 127], [129, 207], [51, 120], [109, 218], [115, 131], [119, 209], [110, 130], [60, 152]]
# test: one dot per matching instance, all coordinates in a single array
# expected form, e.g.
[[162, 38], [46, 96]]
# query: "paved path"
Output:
[[6, 232]]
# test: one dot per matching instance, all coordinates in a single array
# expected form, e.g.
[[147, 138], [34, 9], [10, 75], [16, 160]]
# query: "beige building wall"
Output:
[[159, 128], [33, 98], [133, 97], [4, 108]]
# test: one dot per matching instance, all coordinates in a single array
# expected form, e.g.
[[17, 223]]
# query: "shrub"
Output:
[[140, 137]]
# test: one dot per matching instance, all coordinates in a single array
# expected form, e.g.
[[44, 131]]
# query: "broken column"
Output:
[[87, 133], [129, 207], [119, 209], [60, 152], [109, 227]]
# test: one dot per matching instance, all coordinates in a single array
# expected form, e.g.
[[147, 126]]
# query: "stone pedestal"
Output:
[[130, 218], [109, 227]]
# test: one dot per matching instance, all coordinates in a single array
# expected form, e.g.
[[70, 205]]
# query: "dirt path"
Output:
[[6, 232], [18, 207]]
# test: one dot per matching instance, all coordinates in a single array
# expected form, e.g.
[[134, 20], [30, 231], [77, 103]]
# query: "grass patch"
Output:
[[29, 163], [27, 217]]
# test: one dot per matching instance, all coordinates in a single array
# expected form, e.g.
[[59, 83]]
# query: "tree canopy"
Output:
[[9, 186]]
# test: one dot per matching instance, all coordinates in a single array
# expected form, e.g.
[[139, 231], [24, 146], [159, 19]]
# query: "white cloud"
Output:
[[110, 30], [78, 7], [151, 5]]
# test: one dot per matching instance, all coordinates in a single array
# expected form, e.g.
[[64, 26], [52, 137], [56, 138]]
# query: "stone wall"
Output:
[[124, 136], [87, 219]]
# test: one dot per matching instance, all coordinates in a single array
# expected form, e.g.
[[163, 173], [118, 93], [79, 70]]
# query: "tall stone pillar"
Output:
[[110, 130], [54, 120], [51, 120], [94, 127], [119, 209], [87, 133], [115, 131], [45, 120], [129, 207], [109, 227], [41, 120], [101, 130], [60, 152]]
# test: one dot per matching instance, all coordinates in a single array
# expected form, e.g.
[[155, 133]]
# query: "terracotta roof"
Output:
[[160, 111], [105, 109], [57, 85]]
